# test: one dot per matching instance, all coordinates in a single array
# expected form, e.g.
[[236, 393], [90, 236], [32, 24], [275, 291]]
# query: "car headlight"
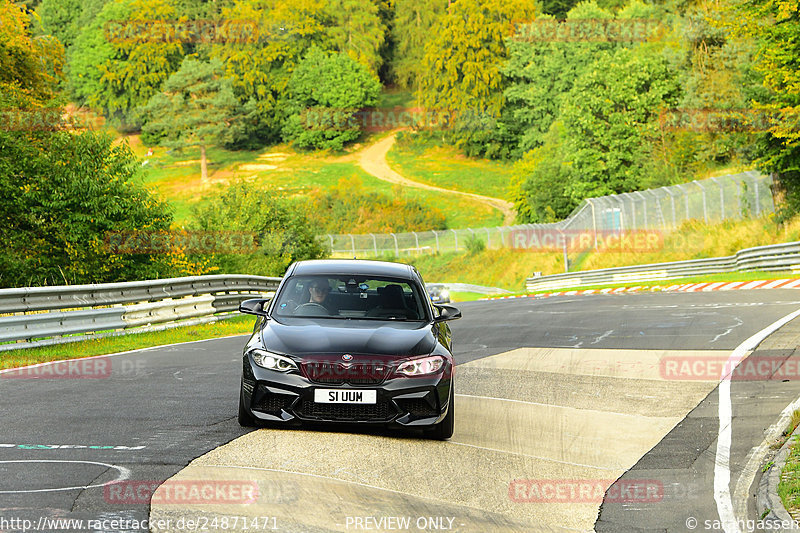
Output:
[[272, 361], [422, 366]]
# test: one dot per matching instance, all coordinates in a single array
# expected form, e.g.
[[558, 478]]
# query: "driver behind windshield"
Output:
[[318, 302], [319, 290]]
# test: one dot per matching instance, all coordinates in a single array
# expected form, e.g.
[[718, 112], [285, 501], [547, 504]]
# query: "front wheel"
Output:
[[246, 420], [444, 429]]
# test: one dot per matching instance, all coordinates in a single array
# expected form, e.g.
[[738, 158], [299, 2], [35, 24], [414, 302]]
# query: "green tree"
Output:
[[282, 230], [58, 18], [386, 11], [64, 19], [323, 96], [116, 70], [611, 120], [356, 29], [260, 66], [540, 73], [462, 61], [197, 107], [540, 188], [774, 27], [558, 9], [60, 193], [717, 74], [412, 28], [30, 69]]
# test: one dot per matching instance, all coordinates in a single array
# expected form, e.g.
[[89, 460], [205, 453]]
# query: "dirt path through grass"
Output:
[[373, 160]]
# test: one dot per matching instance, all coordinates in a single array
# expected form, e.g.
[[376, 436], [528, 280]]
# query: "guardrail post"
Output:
[[353, 244], [416, 240], [396, 249], [436, 236], [456, 238], [331, 238]]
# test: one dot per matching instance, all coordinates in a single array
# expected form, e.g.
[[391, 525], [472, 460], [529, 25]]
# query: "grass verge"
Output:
[[121, 343], [789, 485], [447, 167], [508, 268]]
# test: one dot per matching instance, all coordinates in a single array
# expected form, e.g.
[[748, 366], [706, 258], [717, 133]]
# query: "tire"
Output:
[[444, 429], [246, 420]]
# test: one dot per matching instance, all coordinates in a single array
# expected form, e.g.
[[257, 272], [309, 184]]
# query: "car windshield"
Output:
[[376, 298]]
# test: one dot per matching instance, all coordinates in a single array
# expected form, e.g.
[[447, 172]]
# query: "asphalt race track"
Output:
[[555, 399]]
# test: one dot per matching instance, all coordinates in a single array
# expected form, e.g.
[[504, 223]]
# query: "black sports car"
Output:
[[350, 341]]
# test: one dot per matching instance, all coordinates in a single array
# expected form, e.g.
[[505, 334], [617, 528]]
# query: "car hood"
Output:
[[356, 337]]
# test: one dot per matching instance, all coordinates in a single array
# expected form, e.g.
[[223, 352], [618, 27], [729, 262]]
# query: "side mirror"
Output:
[[446, 312], [254, 306]]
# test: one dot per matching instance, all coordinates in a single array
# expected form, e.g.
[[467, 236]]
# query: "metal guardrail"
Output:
[[35, 316], [771, 258]]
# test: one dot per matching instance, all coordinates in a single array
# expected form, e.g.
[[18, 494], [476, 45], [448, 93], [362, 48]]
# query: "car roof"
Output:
[[354, 267]]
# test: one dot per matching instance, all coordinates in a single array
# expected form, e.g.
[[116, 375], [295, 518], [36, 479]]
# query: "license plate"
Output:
[[345, 396]]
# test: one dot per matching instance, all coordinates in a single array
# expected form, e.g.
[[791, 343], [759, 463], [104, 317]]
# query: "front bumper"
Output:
[[401, 401]]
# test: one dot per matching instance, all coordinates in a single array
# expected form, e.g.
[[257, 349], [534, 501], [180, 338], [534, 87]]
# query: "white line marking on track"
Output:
[[124, 474], [603, 336], [556, 406], [722, 472], [738, 323], [548, 459]]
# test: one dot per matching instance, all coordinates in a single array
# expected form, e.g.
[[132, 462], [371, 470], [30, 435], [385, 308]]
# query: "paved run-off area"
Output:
[[556, 399], [541, 432], [548, 415]]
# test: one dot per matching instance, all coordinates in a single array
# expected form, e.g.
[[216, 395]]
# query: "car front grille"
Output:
[[346, 412], [336, 373]]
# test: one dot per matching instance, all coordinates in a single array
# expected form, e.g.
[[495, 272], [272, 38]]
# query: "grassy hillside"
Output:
[[447, 167], [509, 268], [176, 177]]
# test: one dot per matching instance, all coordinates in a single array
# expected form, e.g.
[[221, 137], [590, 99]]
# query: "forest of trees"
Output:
[[588, 98]]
